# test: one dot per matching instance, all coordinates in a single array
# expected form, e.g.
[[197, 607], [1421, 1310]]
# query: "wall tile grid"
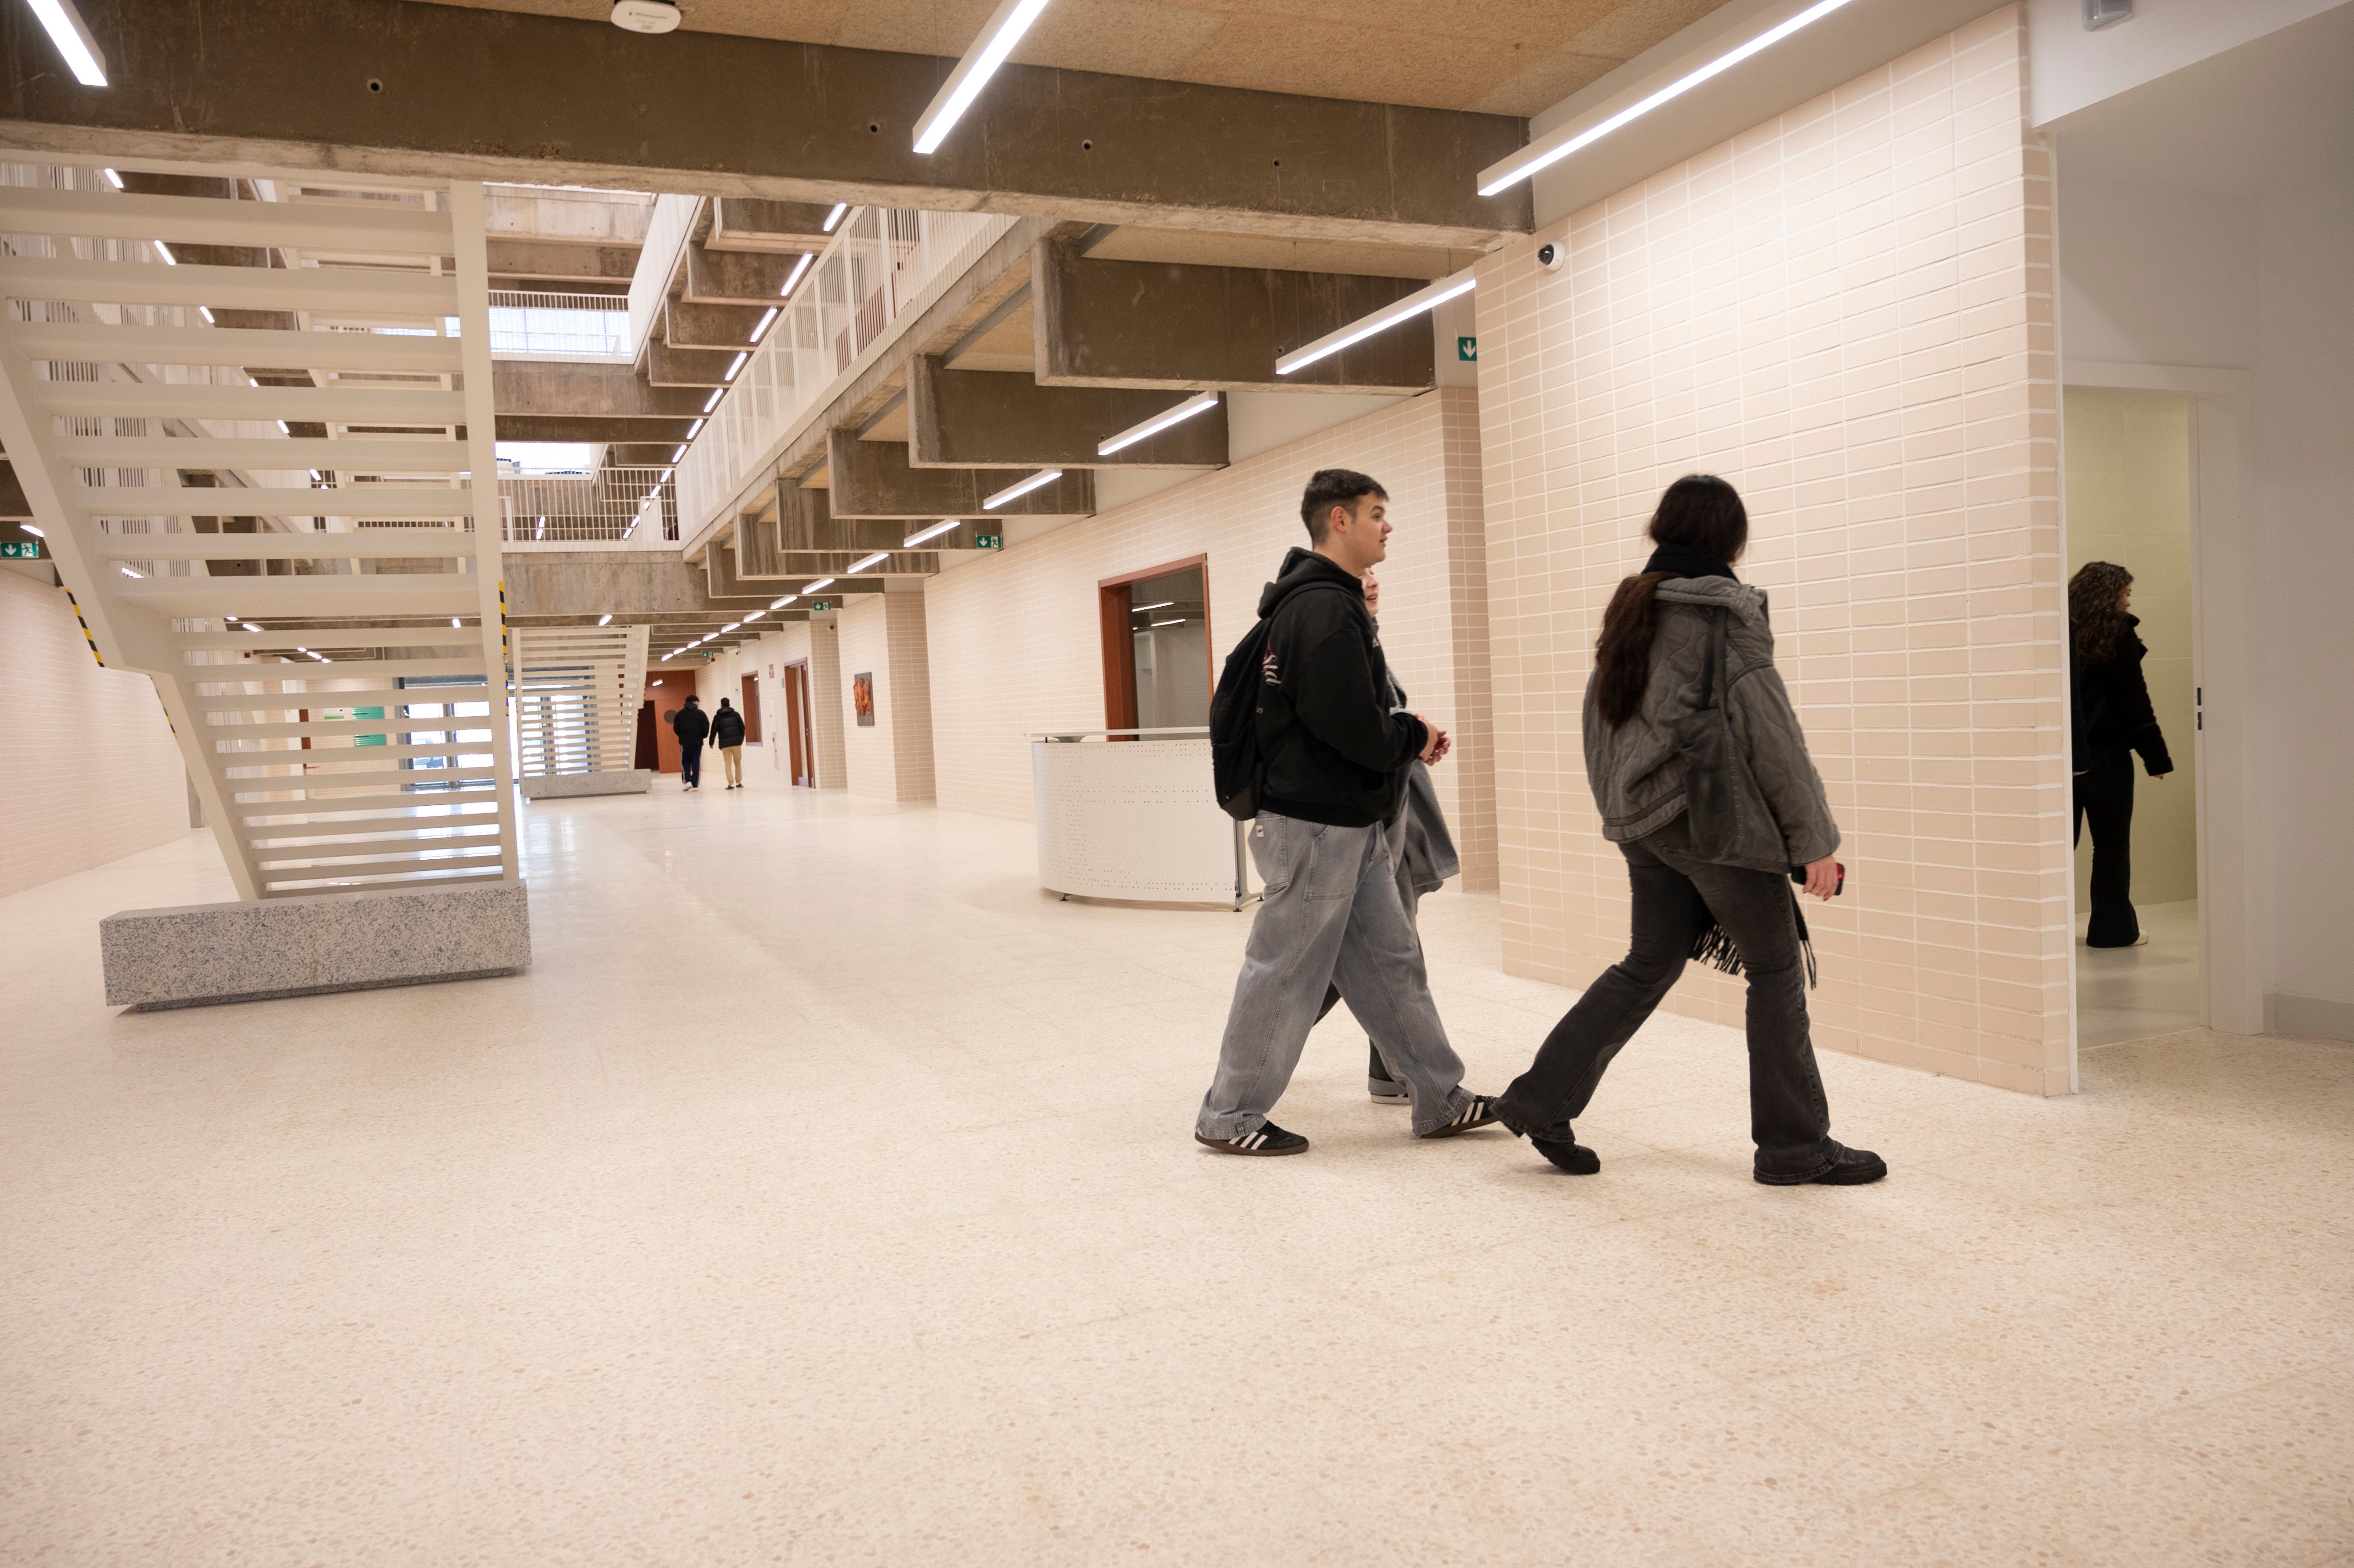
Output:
[[1848, 313], [1014, 638], [90, 771], [884, 635]]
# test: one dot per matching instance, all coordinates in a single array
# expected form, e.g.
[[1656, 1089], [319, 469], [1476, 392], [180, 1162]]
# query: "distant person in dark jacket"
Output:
[[1330, 913], [690, 725], [728, 734], [2111, 718]]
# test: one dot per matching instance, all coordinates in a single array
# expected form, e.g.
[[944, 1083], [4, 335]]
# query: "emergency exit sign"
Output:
[[989, 541], [20, 550], [1467, 348]]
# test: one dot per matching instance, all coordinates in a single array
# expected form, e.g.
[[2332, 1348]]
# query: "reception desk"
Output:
[[1134, 819]]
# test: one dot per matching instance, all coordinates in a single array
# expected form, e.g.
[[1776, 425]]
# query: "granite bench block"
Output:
[[252, 949], [619, 781]]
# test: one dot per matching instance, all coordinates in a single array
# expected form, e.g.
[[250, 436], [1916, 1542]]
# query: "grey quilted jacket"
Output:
[[1637, 776]]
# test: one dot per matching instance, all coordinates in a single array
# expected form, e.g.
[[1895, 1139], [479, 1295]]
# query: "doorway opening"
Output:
[[801, 741], [2131, 488], [1158, 673]]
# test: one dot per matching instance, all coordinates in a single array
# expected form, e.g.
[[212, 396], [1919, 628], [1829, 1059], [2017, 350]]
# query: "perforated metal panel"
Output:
[[1132, 819]]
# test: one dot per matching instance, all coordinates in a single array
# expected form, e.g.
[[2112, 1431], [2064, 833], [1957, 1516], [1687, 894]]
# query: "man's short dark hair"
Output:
[[1331, 487]]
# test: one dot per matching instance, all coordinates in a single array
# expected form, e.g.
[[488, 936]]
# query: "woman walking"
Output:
[[2112, 718], [1683, 636]]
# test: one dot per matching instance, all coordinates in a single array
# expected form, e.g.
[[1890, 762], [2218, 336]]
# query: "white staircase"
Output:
[[578, 690], [288, 516]]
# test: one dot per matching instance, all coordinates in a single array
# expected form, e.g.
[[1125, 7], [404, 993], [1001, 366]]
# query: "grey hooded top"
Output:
[[1635, 774]]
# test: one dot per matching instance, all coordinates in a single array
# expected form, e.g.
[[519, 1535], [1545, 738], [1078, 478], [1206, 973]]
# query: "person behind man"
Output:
[[1330, 910], [2112, 717], [690, 725], [1421, 850], [728, 734], [1655, 664]]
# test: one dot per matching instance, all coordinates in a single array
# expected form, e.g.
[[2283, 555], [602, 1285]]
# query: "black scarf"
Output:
[[1683, 561]]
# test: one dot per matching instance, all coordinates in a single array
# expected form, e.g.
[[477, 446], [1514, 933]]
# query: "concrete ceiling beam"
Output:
[[14, 507], [735, 277], [553, 387], [656, 585], [590, 427], [554, 261], [969, 417], [728, 327], [1156, 324], [780, 228], [499, 95], [668, 366], [873, 479]]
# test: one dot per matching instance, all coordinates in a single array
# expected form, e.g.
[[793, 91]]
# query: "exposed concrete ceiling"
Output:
[[1499, 56]]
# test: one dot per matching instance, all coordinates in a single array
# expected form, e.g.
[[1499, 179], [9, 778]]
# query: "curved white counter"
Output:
[[1134, 819]]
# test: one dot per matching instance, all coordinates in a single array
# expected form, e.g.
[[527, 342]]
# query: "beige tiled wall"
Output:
[[89, 771], [883, 634], [1015, 643], [1848, 313]]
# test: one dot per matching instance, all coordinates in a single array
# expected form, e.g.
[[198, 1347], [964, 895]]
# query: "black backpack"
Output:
[[1250, 718]]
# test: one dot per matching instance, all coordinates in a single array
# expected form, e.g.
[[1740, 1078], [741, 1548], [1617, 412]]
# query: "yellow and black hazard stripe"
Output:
[[84, 623]]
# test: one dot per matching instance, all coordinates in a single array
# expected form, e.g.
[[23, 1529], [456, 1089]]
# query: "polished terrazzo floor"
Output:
[[825, 1194]]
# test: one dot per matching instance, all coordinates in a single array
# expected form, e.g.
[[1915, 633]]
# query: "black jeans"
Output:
[[2105, 793], [1675, 898]]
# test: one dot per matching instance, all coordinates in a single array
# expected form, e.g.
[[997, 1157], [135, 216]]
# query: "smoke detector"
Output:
[[646, 16]]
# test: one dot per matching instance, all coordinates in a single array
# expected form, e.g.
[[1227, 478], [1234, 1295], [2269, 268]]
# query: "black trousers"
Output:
[[1675, 898], [2105, 793]]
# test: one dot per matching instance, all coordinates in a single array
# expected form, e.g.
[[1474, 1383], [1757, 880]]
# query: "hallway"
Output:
[[825, 1194]]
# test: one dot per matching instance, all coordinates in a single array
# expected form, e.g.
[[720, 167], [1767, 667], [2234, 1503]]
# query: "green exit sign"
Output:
[[21, 550], [989, 541], [1467, 348], [819, 606]]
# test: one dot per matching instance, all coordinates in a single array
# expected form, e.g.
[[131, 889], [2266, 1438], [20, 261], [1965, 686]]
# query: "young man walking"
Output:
[[690, 725], [1331, 915], [728, 734]]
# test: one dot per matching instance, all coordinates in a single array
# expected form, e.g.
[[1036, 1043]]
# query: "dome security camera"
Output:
[[646, 16], [1551, 255]]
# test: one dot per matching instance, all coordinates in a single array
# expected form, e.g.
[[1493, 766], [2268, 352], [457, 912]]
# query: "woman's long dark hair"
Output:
[[2096, 612], [1699, 513]]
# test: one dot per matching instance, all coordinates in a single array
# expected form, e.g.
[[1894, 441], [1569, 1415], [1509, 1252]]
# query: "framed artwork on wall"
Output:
[[862, 698]]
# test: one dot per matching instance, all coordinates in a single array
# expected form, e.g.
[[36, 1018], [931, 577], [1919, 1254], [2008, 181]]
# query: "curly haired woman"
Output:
[[2112, 718]]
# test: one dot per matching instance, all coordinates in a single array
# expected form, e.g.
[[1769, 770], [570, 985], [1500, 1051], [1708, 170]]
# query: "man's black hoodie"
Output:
[[1344, 761]]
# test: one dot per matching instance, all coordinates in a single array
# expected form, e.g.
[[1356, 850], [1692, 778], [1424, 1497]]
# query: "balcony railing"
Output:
[[559, 325], [613, 505]]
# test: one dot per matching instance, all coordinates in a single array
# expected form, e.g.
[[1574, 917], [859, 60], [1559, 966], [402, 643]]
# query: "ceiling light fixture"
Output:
[[1158, 423], [934, 531], [35, 532], [454, 620], [1413, 305], [729, 626], [756, 615], [676, 452], [206, 312], [695, 429], [1164, 604], [127, 572], [646, 16], [604, 620], [972, 73], [832, 218], [813, 587], [763, 325], [779, 604], [740, 357], [112, 178], [164, 251], [1016, 491], [876, 560], [1549, 150], [71, 36], [1179, 621], [799, 267], [712, 401], [249, 625]]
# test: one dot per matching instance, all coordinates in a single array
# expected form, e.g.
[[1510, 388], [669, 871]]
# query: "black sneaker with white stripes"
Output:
[[1478, 1112], [1268, 1140]]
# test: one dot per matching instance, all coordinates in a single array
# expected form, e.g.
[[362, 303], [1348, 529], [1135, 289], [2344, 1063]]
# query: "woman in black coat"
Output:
[[2112, 719]]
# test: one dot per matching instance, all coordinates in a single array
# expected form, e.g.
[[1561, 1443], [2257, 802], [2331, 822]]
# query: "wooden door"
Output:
[[803, 755]]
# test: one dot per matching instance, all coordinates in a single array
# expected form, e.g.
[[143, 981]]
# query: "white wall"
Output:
[[2070, 69], [89, 771]]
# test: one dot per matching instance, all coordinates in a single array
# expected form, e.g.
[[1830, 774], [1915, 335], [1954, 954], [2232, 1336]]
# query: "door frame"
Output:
[[801, 735], [2227, 802], [1113, 601]]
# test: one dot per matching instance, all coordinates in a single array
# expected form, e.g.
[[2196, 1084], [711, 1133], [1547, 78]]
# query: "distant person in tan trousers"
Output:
[[728, 734]]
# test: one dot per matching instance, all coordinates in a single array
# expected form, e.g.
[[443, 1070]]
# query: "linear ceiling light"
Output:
[[729, 626], [876, 560], [1016, 491], [779, 604], [763, 326], [934, 531], [1158, 423], [1163, 604], [1005, 28], [112, 178], [813, 587], [71, 36], [604, 620], [740, 357], [756, 615], [1550, 150], [712, 401], [1413, 305], [1179, 621], [832, 218], [36, 534], [675, 454], [169, 260], [799, 267]]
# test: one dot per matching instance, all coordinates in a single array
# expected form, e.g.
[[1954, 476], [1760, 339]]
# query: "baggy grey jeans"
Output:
[[1330, 913]]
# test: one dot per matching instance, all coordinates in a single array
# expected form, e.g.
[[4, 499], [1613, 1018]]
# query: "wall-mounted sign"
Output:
[[862, 698], [341, 714], [989, 541], [1467, 348], [21, 550], [819, 606]]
